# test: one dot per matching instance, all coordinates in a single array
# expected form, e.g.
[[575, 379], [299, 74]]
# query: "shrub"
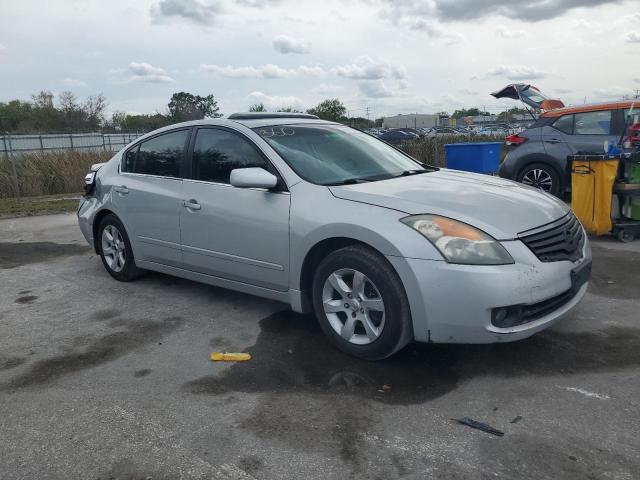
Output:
[[46, 173]]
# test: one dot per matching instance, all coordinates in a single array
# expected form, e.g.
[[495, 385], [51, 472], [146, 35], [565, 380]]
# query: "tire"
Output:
[[542, 176], [625, 236], [375, 329], [121, 271]]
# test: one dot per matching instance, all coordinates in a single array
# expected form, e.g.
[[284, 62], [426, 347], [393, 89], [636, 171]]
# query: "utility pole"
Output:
[[368, 119]]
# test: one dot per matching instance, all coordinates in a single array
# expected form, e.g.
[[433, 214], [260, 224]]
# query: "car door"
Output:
[[239, 234], [556, 140], [149, 194], [591, 130]]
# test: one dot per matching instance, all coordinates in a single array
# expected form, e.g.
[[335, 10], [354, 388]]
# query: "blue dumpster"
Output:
[[482, 157]]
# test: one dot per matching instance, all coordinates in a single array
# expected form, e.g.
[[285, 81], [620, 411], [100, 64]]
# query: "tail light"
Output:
[[515, 140]]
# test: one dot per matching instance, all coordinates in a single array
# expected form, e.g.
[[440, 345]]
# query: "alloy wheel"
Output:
[[353, 306], [113, 248], [538, 178]]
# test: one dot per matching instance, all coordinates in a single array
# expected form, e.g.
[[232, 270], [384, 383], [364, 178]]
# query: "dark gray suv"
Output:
[[538, 155]]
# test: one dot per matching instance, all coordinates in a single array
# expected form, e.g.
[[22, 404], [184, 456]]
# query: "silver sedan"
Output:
[[382, 249]]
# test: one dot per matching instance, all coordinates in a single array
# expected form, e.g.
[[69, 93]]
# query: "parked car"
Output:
[[538, 155], [332, 221], [396, 136]]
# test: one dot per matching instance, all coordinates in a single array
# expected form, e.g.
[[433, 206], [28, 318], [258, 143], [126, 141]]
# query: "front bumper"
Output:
[[453, 303]]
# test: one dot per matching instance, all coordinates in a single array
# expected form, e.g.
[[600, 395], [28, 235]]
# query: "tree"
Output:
[[185, 106], [257, 107], [288, 110], [331, 109], [93, 108]]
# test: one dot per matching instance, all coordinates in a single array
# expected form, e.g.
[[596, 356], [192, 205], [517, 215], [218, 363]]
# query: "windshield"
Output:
[[333, 154]]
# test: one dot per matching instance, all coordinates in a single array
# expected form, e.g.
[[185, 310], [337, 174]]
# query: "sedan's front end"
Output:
[[487, 303]]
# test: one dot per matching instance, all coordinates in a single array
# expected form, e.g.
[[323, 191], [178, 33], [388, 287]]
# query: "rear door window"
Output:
[[592, 123], [161, 156], [564, 124]]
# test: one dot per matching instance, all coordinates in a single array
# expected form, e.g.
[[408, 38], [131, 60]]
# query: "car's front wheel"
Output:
[[542, 176], [361, 304], [115, 249]]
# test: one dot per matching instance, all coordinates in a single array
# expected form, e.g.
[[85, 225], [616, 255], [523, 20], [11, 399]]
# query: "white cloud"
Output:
[[194, 11], [517, 72], [505, 32], [612, 93], [375, 88], [632, 37], [74, 82], [2, 48], [257, 3], [269, 71], [285, 44], [145, 72], [365, 68], [469, 91], [273, 102], [563, 91], [327, 88]]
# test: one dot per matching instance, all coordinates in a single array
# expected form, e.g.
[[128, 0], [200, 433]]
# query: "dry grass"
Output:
[[43, 205], [46, 173], [431, 149]]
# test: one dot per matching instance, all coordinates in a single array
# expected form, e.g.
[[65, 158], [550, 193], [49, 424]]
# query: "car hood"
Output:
[[499, 207]]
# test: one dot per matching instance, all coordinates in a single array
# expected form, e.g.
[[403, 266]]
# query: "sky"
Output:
[[379, 57]]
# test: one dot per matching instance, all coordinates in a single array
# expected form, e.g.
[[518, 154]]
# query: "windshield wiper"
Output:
[[348, 181], [408, 173]]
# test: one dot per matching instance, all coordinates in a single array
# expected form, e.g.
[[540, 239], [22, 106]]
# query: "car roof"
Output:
[[591, 107]]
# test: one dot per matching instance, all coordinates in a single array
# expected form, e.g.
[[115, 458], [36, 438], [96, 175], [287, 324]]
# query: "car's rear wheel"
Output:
[[542, 176], [115, 249], [361, 304]]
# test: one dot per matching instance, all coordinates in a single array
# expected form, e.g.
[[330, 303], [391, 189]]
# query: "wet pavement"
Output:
[[100, 379]]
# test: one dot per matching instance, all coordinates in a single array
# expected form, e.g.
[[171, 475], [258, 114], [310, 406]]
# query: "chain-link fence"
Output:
[[11, 145]]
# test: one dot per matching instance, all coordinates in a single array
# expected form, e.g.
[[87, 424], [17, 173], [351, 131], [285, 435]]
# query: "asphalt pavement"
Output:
[[106, 380]]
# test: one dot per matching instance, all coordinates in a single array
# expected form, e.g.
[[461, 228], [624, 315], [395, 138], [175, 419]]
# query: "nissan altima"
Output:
[[381, 249]]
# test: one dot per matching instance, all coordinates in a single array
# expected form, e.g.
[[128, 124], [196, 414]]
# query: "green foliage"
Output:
[[43, 115], [468, 112], [185, 106], [288, 110], [258, 107], [332, 110]]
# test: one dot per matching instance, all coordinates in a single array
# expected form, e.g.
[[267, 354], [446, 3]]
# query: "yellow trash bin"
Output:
[[592, 179]]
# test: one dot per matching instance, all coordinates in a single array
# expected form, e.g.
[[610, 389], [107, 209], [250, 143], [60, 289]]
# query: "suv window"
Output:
[[162, 155], [564, 124], [217, 152], [592, 123]]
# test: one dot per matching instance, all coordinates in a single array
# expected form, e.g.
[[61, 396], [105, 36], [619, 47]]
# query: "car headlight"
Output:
[[459, 242]]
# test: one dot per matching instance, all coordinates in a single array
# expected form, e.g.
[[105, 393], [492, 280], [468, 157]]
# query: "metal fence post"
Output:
[[4, 144], [41, 144], [71, 140], [16, 184], [104, 145]]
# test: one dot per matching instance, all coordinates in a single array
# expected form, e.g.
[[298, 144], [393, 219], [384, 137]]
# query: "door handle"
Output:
[[191, 204], [553, 140], [122, 189]]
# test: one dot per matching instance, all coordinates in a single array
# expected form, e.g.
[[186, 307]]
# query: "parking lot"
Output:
[[100, 379]]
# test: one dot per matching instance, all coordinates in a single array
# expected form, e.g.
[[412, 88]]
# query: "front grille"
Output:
[[560, 240], [540, 309]]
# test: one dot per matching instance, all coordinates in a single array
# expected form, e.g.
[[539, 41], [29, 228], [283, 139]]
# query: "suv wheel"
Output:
[[542, 176], [360, 303], [115, 249]]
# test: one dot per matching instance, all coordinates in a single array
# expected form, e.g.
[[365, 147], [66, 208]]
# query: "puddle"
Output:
[[416, 374], [17, 254], [615, 274], [142, 373], [317, 399], [95, 351]]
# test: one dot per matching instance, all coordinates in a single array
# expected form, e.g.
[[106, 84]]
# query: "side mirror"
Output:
[[253, 178]]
